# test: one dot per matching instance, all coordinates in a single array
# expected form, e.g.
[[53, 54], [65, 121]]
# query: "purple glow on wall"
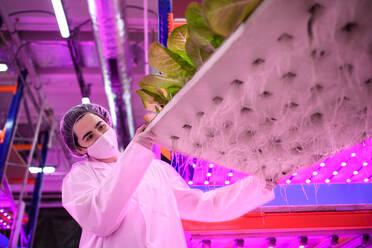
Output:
[[348, 166], [6, 219]]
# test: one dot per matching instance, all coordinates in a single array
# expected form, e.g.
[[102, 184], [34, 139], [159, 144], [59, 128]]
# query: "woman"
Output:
[[133, 200]]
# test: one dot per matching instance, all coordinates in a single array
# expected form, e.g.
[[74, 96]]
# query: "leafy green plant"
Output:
[[188, 47]]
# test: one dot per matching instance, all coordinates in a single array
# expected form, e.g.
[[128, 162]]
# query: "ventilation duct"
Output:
[[110, 31]]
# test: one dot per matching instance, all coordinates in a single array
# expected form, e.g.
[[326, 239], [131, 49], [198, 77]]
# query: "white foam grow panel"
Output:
[[291, 86]]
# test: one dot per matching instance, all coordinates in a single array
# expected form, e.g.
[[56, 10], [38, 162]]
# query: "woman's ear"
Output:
[[81, 150]]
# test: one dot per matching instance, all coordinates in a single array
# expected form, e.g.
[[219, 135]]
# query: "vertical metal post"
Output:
[[17, 225], [165, 8], [13, 241], [34, 207], [11, 123]]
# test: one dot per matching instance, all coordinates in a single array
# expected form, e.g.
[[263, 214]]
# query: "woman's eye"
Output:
[[90, 137], [101, 127]]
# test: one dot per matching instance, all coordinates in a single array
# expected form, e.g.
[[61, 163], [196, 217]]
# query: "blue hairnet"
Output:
[[72, 116]]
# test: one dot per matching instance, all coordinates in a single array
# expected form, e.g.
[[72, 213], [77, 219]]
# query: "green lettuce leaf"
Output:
[[177, 40], [153, 83], [169, 63], [147, 100], [198, 56], [224, 16], [162, 89], [157, 97], [199, 31]]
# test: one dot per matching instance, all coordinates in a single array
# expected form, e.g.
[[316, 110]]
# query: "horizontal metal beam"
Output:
[[33, 24], [43, 71], [69, 71], [53, 36], [9, 88], [238, 235], [256, 223], [50, 35], [24, 146], [314, 208]]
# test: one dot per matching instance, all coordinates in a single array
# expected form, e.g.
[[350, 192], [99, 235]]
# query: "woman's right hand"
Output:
[[144, 139]]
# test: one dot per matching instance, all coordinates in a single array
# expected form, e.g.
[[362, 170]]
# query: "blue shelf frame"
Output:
[[317, 195], [10, 123], [164, 8]]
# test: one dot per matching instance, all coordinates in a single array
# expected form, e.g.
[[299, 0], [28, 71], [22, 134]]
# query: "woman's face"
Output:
[[87, 130]]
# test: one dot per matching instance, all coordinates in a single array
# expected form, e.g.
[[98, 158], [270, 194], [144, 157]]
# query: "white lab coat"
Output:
[[139, 201]]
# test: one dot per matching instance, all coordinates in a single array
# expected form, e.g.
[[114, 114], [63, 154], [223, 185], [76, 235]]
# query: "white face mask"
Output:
[[105, 146]]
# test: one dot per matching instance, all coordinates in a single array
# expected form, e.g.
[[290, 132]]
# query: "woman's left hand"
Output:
[[144, 138]]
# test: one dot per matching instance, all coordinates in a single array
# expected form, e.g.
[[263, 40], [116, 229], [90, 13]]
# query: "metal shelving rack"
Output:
[[8, 150], [18, 227]]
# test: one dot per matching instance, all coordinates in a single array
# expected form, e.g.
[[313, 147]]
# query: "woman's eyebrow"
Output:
[[98, 123], [88, 133]]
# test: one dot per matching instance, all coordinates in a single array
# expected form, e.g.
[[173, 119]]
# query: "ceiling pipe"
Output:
[[22, 55], [111, 36]]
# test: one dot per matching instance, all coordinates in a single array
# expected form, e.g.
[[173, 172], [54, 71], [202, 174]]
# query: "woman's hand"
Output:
[[144, 139]]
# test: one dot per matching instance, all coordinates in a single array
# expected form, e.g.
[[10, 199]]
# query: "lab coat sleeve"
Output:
[[100, 208], [222, 204]]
